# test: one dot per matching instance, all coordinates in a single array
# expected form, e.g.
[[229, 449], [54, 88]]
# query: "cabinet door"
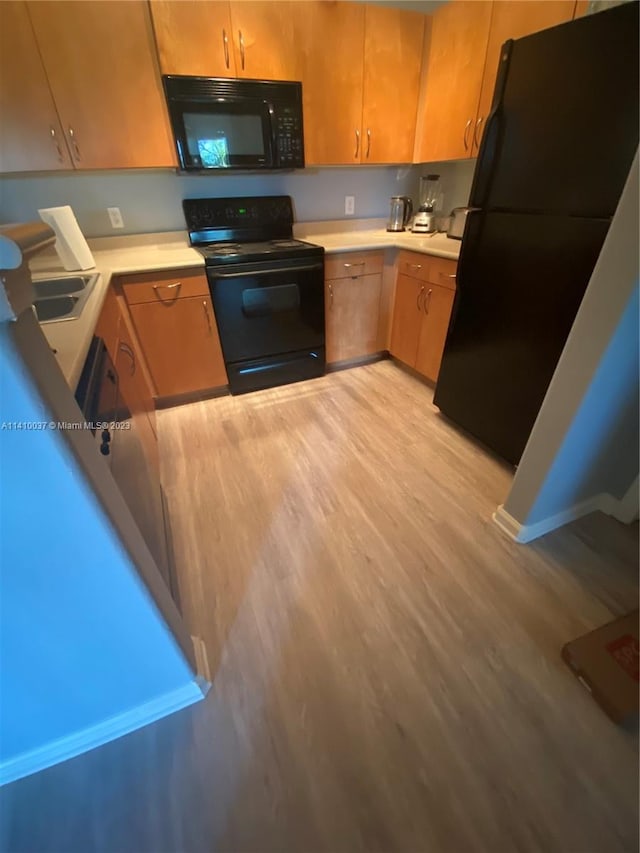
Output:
[[352, 310], [263, 40], [31, 136], [194, 37], [512, 21], [332, 34], [436, 305], [181, 344], [101, 64], [108, 325], [407, 318], [135, 462], [392, 60], [459, 35], [134, 390]]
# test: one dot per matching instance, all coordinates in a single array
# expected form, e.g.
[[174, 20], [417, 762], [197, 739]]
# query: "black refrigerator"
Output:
[[558, 146]]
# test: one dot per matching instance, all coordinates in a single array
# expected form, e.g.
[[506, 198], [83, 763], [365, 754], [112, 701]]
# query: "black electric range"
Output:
[[267, 289]]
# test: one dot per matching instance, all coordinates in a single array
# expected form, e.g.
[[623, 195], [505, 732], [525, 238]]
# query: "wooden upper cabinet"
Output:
[[31, 136], [330, 34], [194, 37], [392, 59], [101, 64], [456, 58], [582, 8], [263, 40], [514, 20]]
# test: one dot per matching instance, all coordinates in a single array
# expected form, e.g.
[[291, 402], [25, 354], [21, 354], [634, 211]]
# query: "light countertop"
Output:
[[148, 252]]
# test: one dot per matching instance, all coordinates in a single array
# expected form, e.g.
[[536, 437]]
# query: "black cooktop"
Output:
[[236, 230], [273, 250]]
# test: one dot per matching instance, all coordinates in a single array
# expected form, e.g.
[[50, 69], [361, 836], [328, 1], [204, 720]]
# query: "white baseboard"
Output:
[[625, 510], [99, 734]]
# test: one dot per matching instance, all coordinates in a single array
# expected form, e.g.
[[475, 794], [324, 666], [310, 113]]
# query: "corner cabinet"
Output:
[[353, 284], [425, 292], [458, 47], [174, 321], [102, 72]]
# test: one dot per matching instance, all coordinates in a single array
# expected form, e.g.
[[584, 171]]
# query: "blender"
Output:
[[424, 221]]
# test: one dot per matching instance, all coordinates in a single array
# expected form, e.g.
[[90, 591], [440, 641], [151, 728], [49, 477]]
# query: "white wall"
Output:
[[151, 200], [80, 639], [584, 442]]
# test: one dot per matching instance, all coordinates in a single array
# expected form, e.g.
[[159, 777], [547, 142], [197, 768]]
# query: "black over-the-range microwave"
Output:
[[221, 123]]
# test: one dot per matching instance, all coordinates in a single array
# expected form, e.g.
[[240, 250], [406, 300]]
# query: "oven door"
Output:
[[225, 133], [271, 321]]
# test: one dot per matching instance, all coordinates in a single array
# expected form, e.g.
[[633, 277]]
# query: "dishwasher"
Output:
[[116, 432]]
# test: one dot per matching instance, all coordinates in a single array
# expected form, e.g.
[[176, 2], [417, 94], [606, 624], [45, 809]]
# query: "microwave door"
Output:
[[224, 134]]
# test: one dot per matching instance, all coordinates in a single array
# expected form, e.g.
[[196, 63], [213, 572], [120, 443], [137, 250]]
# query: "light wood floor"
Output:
[[387, 664]]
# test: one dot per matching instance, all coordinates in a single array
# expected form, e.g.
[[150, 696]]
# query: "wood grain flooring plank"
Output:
[[386, 663]]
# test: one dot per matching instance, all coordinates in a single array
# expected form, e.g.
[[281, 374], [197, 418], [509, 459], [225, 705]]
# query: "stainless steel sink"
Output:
[[62, 298]]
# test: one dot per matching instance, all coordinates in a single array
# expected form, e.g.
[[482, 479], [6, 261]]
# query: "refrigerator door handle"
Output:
[[489, 144], [465, 259]]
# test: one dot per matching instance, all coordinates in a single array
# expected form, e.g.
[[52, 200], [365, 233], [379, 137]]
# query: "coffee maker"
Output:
[[424, 221]]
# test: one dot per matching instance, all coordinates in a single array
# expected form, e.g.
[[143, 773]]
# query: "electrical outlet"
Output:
[[349, 205], [116, 217]]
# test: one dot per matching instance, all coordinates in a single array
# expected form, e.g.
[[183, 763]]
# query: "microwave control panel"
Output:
[[288, 127]]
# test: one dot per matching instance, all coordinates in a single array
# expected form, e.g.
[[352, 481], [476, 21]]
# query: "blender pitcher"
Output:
[[425, 218]]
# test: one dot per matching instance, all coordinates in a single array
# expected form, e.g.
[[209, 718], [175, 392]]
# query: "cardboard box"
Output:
[[606, 663]]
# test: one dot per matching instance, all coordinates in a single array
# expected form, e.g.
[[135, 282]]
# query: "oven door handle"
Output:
[[214, 274]]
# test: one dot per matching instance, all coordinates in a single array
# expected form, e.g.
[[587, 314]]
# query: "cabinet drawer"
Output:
[[442, 271], [415, 265], [164, 286], [350, 264]]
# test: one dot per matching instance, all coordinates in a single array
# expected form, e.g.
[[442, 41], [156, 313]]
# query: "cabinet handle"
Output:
[[357, 143], [427, 301], [175, 286], [415, 266], [54, 139], [475, 131], [207, 315], [241, 40], [354, 264], [418, 299], [330, 296], [466, 131], [368, 142], [126, 349], [74, 144], [225, 44]]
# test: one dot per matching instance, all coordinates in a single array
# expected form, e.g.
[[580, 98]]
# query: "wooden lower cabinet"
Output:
[[181, 344], [407, 319], [437, 304], [421, 313], [135, 391], [352, 312], [108, 324]]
